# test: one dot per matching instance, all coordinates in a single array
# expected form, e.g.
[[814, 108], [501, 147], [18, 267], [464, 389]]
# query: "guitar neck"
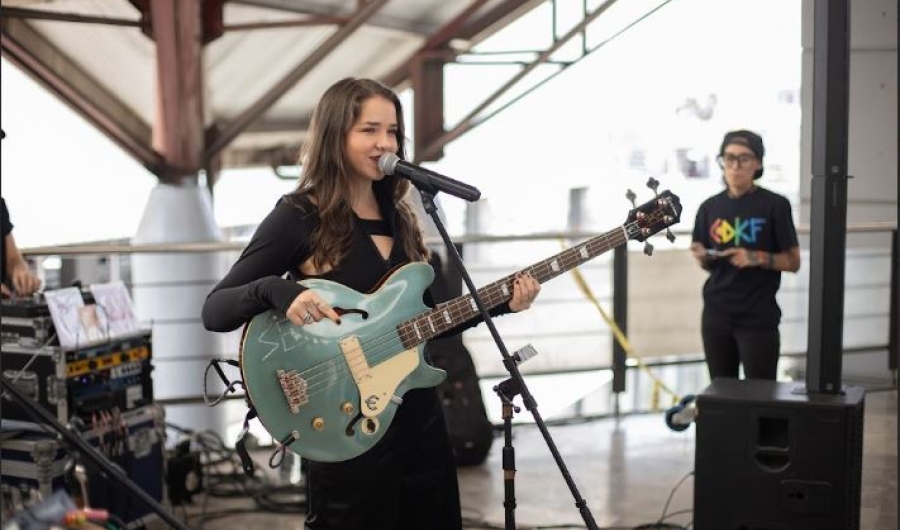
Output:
[[450, 314]]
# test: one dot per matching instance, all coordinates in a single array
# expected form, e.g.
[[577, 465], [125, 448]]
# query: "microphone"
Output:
[[426, 180]]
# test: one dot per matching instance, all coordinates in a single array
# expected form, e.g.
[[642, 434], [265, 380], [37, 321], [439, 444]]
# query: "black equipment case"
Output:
[[26, 321], [67, 382], [34, 462]]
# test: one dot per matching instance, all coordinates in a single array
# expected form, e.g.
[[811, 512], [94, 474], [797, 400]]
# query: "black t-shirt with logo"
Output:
[[758, 220]]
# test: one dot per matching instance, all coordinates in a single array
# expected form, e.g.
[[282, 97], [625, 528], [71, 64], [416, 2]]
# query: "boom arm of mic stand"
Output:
[[36, 411], [508, 361]]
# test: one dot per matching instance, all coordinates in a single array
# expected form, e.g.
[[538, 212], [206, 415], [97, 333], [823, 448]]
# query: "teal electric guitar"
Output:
[[329, 392]]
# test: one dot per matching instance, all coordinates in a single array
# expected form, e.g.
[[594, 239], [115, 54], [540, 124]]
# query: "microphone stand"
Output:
[[428, 193], [115, 473]]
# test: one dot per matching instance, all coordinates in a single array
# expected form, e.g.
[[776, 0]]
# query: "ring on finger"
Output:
[[308, 319]]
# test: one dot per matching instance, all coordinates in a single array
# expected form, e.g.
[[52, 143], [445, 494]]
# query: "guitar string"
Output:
[[444, 317], [457, 310], [464, 306], [389, 344]]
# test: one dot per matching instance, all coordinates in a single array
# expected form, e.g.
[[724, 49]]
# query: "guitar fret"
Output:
[[455, 312]]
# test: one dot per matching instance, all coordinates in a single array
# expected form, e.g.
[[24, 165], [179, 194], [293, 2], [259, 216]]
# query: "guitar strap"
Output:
[[230, 387], [239, 445]]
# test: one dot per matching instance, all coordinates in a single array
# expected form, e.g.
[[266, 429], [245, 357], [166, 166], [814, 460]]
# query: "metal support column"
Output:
[[828, 233]]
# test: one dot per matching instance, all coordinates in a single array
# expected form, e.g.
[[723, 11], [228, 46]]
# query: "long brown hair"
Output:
[[326, 179]]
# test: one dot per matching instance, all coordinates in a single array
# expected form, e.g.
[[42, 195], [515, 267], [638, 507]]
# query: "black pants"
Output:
[[405, 482], [727, 345]]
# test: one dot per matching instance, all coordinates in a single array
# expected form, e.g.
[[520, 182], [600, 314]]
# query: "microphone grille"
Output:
[[387, 163]]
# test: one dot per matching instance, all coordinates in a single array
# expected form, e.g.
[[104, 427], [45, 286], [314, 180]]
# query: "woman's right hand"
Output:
[[309, 308]]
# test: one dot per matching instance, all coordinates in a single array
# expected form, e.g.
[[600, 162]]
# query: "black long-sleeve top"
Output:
[[256, 282], [415, 451]]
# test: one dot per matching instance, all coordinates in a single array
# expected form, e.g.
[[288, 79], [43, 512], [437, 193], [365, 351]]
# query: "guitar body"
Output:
[[335, 388]]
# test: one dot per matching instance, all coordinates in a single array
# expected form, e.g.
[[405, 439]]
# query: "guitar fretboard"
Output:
[[450, 314]]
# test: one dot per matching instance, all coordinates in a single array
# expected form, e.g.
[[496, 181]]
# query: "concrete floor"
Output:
[[626, 470]]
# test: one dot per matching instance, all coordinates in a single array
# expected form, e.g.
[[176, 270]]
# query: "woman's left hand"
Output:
[[525, 290]]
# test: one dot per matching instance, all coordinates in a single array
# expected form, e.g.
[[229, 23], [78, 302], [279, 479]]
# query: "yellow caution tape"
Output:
[[623, 341]]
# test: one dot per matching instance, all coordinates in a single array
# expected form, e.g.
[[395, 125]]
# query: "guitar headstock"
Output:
[[657, 214]]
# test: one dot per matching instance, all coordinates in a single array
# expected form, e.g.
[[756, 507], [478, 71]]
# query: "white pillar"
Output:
[[169, 290]]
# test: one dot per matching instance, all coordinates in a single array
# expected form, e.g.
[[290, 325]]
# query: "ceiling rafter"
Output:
[[226, 134], [401, 75], [328, 10], [59, 74], [38, 14], [474, 118], [464, 26]]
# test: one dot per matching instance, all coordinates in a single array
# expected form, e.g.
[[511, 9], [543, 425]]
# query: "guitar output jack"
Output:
[[370, 425]]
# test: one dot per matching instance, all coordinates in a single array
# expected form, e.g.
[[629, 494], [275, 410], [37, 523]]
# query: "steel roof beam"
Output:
[[443, 36], [472, 119], [56, 72], [331, 9], [37, 14], [231, 130], [178, 134], [300, 23]]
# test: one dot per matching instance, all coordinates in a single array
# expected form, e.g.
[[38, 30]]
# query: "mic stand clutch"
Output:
[[511, 366]]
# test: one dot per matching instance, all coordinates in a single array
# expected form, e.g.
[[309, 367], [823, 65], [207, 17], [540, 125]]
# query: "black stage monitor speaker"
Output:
[[769, 456]]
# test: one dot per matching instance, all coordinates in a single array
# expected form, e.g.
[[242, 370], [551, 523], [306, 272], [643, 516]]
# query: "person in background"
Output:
[[349, 223], [745, 237], [17, 278]]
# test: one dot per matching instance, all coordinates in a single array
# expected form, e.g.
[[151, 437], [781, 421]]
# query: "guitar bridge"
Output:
[[294, 388]]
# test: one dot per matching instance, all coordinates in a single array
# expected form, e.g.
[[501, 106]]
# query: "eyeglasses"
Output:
[[732, 160]]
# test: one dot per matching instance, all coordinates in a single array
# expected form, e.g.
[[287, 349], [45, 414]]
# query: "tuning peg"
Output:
[[648, 248], [631, 197], [653, 184], [670, 236]]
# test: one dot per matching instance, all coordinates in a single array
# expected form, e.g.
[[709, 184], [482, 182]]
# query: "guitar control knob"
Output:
[[318, 423], [347, 408]]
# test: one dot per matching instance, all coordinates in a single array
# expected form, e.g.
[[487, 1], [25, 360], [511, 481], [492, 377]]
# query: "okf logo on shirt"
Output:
[[742, 232]]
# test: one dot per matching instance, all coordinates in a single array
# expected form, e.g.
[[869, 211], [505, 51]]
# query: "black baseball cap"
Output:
[[748, 139]]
